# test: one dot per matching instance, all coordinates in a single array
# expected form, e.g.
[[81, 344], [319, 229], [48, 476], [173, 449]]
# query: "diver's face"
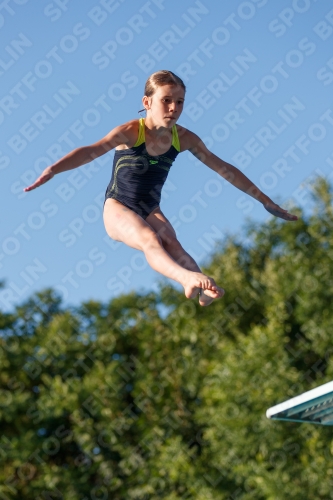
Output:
[[165, 106]]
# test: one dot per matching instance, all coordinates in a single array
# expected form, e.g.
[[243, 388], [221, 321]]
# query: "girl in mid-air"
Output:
[[145, 149]]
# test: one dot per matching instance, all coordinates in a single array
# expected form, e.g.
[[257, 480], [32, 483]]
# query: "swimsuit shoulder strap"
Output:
[[175, 139], [141, 137]]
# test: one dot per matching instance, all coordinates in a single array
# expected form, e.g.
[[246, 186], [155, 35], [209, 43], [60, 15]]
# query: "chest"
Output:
[[156, 146]]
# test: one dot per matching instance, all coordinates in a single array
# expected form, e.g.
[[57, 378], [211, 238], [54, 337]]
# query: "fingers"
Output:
[[287, 216], [41, 180], [30, 188], [284, 214], [33, 186], [280, 212], [291, 217]]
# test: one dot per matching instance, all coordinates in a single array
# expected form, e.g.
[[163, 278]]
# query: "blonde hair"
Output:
[[160, 78]]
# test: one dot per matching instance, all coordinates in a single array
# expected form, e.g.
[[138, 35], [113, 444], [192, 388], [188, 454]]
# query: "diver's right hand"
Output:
[[44, 177]]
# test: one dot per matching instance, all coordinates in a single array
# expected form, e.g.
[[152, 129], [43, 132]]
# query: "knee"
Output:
[[151, 239]]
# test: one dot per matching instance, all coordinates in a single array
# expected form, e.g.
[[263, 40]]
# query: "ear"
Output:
[[146, 102]]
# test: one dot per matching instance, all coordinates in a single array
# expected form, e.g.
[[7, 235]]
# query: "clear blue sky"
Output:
[[259, 78]]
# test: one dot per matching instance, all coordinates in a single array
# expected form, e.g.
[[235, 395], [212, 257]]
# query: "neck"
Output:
[[156, 129]]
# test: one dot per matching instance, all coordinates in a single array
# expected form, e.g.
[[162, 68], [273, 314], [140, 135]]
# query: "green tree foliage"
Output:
[[152, 396]]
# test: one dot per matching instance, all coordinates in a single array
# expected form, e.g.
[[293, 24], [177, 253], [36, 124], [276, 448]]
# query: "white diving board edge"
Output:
[[315, 406]]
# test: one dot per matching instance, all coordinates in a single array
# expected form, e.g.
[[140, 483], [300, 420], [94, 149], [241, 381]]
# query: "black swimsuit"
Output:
[[137, 177]]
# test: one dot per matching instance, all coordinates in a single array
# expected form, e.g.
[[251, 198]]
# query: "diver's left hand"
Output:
[[274, 209]]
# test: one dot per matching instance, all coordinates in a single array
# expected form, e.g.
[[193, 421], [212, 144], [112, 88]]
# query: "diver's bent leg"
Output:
[[123, 224]]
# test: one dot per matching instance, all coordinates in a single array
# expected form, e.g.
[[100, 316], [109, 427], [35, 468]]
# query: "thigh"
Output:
[[157, 220], [123, 224]]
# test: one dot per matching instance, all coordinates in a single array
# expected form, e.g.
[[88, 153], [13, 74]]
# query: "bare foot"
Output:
[[206, 297], [196, 281]]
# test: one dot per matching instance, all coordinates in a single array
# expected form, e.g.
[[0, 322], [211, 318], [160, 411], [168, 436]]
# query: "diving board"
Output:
[[315, 407]]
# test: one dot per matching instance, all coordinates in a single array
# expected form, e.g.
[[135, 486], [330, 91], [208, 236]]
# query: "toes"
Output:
[[209, 293], [212, 285], [206, 297], [207, 285]]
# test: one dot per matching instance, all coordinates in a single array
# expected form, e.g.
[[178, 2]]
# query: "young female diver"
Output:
[[144, 152]]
